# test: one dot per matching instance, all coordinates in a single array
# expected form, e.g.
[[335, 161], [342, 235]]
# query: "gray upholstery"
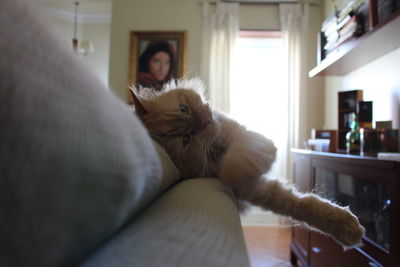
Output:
[[195, 224], [75, 163], [80, 178]]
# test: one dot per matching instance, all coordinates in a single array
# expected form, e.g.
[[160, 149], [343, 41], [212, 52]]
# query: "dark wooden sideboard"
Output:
[[370, 187]]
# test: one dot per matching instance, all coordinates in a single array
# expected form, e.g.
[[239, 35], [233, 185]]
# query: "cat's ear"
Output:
[[139, 108]]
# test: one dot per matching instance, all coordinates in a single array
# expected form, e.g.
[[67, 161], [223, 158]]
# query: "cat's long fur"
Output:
[[203, 142]]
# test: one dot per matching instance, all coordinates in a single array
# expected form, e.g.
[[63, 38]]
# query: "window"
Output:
[[259, 94]]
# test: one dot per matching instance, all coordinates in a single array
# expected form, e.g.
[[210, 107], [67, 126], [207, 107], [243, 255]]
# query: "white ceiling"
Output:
[[89, 7]]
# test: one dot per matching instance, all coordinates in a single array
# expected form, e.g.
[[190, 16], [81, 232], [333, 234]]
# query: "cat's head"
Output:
[[183, 123]]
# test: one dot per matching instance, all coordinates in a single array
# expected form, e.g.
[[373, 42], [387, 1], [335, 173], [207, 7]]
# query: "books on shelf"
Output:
[[345, 21], [348, 30], [329, 32], [341, 26], [350, 8], [331, 29], [328, 22]]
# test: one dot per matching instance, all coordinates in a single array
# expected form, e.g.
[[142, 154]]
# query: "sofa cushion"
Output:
[[195, 223], [75, 163], [170, 173]]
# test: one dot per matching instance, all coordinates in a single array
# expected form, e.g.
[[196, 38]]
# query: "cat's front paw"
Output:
[[345, 228]]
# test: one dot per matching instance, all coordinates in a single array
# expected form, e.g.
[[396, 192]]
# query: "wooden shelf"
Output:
[[357, 52]]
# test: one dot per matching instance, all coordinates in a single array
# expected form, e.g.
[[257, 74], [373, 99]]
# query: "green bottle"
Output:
[[353, 137]]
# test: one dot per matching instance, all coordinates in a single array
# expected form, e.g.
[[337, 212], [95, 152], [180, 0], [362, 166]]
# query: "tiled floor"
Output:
[[268, 246]]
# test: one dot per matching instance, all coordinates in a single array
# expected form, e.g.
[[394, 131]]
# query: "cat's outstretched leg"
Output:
[[317, 212]]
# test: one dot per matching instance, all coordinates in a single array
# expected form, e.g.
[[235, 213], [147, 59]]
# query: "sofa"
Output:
[[81, 181]]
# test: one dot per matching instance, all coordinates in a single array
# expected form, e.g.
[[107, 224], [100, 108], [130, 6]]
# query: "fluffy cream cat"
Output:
[[203, 143]]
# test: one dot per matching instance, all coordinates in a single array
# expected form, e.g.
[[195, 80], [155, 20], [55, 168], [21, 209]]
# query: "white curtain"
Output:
[[294, 19], [220, 30]]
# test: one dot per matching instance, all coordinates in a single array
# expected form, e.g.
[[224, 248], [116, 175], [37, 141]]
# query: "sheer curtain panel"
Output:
[[220, 30], [294, 19]]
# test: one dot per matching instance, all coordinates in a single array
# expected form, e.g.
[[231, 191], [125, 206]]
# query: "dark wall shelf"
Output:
[[355, 53]]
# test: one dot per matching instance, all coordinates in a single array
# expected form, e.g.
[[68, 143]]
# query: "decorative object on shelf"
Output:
[[318, 144], [330, 135], [353, 141], [383, 124], [375, 141], [347, 108], [83, 47], [389, 139], [369, 142], [365, 114]]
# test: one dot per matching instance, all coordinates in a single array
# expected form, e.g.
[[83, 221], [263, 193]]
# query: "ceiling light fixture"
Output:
[[84, 47]]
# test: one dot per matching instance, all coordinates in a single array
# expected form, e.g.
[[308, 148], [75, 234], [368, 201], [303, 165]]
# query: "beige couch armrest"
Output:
[[195, 223]]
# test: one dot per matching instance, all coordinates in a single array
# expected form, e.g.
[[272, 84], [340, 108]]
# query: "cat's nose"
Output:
[[200, 124], [204, 122]]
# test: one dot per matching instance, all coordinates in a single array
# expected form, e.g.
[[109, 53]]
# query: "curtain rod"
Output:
[[260, 3]]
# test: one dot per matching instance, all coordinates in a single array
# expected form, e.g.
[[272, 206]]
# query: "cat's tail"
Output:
[[322, 214]]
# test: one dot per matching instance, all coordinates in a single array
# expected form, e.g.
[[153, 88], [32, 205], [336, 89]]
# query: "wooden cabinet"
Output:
[[370, 187], [300, 235]]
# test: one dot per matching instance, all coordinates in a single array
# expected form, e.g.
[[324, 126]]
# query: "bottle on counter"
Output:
[[353, 143]]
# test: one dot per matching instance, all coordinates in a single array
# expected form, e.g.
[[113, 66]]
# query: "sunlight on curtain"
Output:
[[259, 93], [294, 19], [220, 29]]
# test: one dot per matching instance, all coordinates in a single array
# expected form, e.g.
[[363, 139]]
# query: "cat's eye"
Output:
[[186, 140], [183, 108]]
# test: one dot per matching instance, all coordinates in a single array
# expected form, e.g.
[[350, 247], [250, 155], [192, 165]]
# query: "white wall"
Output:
[[380, 82], [312, 100], [98, 61], [61, 22]]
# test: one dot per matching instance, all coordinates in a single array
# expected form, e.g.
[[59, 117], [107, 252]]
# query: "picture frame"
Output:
[[142, 40]]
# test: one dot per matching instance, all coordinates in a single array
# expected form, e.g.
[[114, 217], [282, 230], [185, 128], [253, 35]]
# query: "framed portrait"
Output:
[[156, 57]]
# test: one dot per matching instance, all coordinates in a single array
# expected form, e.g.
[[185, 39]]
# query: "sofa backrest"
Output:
[[75, 164]]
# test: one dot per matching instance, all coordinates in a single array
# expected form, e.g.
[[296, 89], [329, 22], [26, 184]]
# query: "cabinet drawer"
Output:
[[325, 252]]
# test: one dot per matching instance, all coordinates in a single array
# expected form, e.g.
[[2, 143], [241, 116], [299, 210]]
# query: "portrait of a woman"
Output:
[[157, 65]]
